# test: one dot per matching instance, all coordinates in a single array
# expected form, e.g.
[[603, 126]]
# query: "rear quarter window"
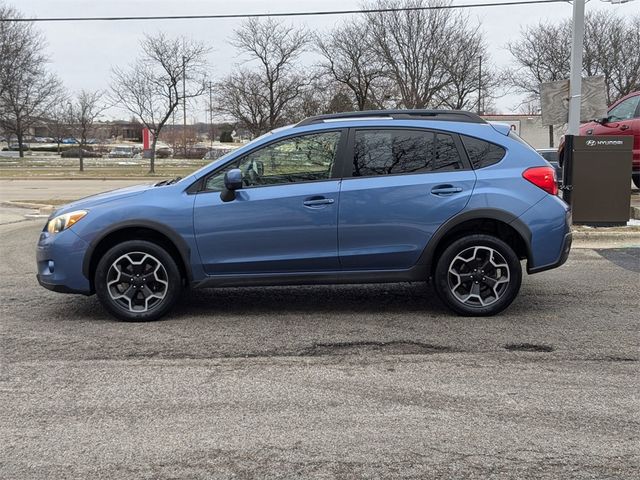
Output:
[[482, 153]]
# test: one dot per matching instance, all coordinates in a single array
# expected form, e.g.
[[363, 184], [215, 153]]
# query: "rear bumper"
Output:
[[550, 243], [566, 248]]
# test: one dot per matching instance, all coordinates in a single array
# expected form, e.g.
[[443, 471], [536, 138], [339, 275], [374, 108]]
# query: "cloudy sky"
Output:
[[83, 53]]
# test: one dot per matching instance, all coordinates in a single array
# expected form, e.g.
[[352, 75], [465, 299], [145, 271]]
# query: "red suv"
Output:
[[623, 119]]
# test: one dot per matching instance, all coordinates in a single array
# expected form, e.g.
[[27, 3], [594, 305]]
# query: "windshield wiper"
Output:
[[167, 182]]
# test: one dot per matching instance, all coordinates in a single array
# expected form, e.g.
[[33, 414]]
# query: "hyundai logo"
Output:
[[591, 143]]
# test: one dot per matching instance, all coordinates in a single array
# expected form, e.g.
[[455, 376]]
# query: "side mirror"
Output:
[[603, 121], [232, 182]]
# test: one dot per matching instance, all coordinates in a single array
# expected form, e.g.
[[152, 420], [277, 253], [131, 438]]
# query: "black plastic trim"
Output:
[[478, 214], [414, 274], [60, 288], [442, 115], [174, 237]]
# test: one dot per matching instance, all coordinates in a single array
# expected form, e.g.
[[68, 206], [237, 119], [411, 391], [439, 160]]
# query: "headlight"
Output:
[[62, 222]]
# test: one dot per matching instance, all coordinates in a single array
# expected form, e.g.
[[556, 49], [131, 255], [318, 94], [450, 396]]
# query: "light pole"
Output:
[[184, 106], [575, 77], [210, 114], [480, 85]]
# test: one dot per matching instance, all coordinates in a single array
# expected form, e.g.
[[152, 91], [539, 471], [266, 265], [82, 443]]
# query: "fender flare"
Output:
[[178, 241], [477, 214]]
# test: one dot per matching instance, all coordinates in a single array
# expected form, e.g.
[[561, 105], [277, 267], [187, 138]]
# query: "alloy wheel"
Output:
[[478, 276], [137, 281]]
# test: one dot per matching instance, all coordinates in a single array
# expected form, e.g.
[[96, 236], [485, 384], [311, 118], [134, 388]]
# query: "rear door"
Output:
[[398, 188]]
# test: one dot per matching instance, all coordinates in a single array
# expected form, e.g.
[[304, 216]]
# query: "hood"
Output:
[[101, 198]]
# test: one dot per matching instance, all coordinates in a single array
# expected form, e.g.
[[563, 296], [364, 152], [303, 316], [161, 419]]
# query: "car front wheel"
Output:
[[478, 275], [137, 281]]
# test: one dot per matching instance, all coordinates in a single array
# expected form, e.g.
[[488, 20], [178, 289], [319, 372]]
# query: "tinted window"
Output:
[[446, 154], [298, 159], [385, 152], [481, 153]]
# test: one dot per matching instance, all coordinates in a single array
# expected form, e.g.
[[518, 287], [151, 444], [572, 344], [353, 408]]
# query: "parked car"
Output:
[[623, 119], [75, 153], [380, 196], [123, 151], [215, 153], [551, 156], [164, 152]]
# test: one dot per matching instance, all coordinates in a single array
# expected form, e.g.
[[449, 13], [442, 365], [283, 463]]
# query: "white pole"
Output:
[[575, 79]]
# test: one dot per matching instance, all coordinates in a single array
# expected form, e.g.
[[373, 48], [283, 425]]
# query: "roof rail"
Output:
[[445, 115]]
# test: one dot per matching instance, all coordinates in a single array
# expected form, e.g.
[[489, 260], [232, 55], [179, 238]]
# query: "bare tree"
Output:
[[21, 47], [83, 113], [350, 60], [27, 90], [57, 121], [259, 98], [414, 45], [241, 95], [612, 49], [171, 70], [542, 54], [473, 80]]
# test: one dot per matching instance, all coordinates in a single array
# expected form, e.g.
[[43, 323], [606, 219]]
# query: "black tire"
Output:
[[151, 291], [498, 285], [636, 179]]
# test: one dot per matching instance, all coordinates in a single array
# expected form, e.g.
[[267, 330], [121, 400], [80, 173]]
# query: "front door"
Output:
[[284, 219], [404, 184]]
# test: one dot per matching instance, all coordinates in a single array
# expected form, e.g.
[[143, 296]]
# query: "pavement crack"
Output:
[[528, 347]]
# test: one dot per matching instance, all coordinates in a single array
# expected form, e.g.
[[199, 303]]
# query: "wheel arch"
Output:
[[138, 230], [499, 223]]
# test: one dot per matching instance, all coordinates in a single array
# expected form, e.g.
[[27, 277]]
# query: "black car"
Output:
[[75, 153]]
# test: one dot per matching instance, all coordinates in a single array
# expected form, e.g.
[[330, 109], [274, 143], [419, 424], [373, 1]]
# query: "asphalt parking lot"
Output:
[[373, 381]]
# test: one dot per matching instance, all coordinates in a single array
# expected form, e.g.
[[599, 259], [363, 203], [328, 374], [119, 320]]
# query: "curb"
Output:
[[42, 208]]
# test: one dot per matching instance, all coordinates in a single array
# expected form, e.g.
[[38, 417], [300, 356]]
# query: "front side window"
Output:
[[303, 158], [626, 110], [389, 152]]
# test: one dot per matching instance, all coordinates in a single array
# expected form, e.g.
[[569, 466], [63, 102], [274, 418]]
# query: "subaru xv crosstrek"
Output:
[[365, 197]]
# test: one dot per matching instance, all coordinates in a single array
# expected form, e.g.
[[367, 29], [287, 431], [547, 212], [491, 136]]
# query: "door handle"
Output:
[[315, 202], [624, 127], [445, 190]]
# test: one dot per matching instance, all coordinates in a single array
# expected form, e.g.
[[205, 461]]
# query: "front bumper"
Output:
[[59, 260]]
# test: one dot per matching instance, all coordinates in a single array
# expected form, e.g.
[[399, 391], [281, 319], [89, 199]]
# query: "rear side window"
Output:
[[481, 153], [388, 152]]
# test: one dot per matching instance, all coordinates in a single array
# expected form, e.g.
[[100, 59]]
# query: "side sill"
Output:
[[415, 274]]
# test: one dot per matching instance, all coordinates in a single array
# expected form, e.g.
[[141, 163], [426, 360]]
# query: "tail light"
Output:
[[542, 177]]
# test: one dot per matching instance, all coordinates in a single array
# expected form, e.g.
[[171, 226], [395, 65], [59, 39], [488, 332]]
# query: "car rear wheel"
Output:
[[636, 179], [137, 281], [478, 275]]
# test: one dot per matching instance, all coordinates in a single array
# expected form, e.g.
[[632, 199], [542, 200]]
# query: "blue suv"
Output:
[[379, 196]]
